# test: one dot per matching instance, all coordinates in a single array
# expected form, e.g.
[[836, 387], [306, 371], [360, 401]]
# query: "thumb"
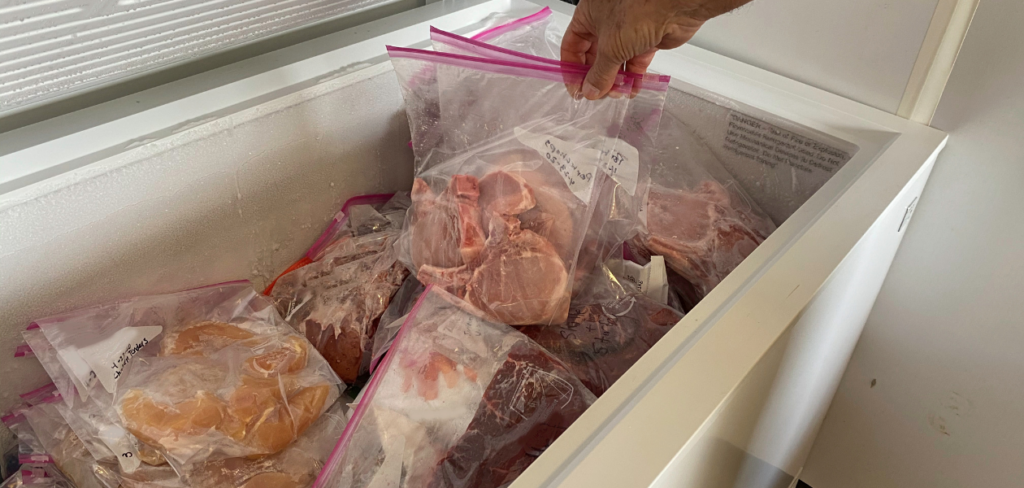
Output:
[[601, 75]]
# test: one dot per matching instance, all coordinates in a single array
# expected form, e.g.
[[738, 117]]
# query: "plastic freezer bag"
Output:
[[66, 449], [197, 375], [458, 402], [540, 91], [696, 215], [610, 327], [616, 218], [336, 300]]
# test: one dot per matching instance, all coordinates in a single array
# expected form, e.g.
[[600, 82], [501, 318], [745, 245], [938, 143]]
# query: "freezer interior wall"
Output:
[[244, 195]]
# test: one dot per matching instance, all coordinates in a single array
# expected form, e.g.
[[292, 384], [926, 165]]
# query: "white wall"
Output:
[[944, 346], [863, 50]]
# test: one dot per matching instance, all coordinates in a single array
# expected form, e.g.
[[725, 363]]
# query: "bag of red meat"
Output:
[[336, 298], [458, 402], [696, 215], [610, 326]]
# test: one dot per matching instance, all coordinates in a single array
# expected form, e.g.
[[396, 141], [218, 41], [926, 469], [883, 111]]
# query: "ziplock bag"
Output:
[[695, 214], [609, 328], [198, 375], [66, 449], [615, 220], [295, 466], [392, 318], [93, 422], [335, 301], [30, 449], [458, 402], [501, 223]]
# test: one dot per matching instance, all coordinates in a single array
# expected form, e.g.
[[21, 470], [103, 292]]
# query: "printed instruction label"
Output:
[[773, 146], [108, 357], [578, 166]]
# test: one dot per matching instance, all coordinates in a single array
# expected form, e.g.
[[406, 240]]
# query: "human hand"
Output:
[[607, 34]]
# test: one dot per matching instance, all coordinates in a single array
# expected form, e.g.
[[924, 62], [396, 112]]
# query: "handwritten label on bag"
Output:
[[578, 165], [621, 161], [109, 356]]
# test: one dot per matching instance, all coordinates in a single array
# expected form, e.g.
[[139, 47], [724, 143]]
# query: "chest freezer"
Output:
[[233, 173]]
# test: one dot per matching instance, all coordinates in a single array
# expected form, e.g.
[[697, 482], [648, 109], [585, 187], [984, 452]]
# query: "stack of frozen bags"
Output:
[[523, 198], [476, 316]]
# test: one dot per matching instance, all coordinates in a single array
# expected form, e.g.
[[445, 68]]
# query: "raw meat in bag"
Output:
[[501, 224], [336, 299], [616, 217], [194, 376], [696, 216], [458, 402], [295, 466], [610, 327]]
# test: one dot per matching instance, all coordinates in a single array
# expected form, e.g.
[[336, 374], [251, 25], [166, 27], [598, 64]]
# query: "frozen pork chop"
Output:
[[702, 234], [518, 278], [446, 227]]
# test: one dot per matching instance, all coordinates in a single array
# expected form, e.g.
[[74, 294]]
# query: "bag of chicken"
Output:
[[458, 402], [696, 215], [189, 377], [336, 297], [501, 222]]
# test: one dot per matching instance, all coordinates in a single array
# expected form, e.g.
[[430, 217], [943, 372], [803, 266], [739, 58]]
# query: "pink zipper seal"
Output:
[[23, 351], [371, 389], [503, 28], [654, 81], [324, 239], [550, 73]]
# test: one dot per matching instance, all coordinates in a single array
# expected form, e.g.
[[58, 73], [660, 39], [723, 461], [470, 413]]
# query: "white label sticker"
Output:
[[108, 357], [576, 165], [116, 439], [651, 280]]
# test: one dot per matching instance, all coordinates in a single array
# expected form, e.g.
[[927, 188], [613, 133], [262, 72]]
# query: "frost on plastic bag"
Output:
[[392, 318], [609, 328], [335, 302], [193, 376], [295, 466], [696, 216], [458, 402], [618, 206]]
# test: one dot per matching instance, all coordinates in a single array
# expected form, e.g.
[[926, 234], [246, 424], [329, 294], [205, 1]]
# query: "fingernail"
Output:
[[590, 91]]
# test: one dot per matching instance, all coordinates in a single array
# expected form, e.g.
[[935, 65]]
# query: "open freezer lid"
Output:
[[646, 419]]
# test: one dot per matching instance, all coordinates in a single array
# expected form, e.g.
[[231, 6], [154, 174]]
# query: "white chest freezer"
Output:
[[233, 173]]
